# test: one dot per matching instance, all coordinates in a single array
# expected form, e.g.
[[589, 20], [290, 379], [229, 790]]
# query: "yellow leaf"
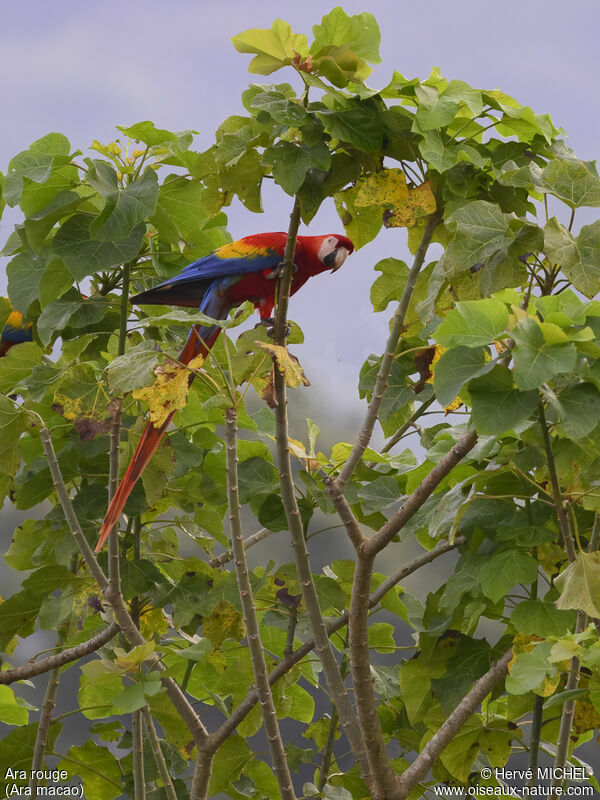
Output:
[[169, 391], [404, 206], [288, 364]]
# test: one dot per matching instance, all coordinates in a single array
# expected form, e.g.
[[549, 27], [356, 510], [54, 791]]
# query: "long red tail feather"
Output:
[[151, 438]]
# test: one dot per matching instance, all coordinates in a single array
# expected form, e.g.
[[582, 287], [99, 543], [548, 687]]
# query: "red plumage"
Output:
[[237, 272]]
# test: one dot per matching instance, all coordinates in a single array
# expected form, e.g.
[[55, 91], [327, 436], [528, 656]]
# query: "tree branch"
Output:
[[288, 496], [287, 663], [424, 490], [364, 436], [43, 728], [121, 614], [159, 758], [257, 653], [137, 753], [444, 735], [249, 541], [383, 778], [562, 514], [33, 668]]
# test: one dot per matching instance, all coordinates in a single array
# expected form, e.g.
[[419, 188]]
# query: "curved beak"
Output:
[[336, 258]]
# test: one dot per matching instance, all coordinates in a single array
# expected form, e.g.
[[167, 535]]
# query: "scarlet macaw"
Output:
[[236, 272], [14, 332]]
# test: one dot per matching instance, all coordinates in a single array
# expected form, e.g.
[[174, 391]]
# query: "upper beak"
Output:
[[336, 258]]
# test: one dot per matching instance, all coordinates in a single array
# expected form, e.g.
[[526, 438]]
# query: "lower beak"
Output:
[[336, 258]]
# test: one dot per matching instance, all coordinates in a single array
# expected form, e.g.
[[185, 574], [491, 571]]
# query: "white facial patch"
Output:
[[327, 247]]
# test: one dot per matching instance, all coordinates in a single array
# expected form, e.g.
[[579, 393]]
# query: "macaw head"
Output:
[[333, 250]]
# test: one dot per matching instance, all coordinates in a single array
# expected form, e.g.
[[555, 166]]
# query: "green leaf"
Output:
[[480, 230], [579, 257], [574, 182], [541, 618], [55, 281], [530, 670], [13, 422], [18, 364], [390, 284], [563, 697], [537, 360], [579, 584], [455, 368], [125, 208], [381, 637], [25, 273], [148, 133], [473, 323], [290, 164], [379, 494], [11, 711], [229, 762], [497, 405], [284, 110], [274, 48], [134, 369], [435, 110], [360, 33], [255, 476], [98, 769], [84, 256], [358, 126], [579, 410], [502, 571]]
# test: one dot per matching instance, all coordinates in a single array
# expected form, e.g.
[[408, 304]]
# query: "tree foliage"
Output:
[[502, 331]]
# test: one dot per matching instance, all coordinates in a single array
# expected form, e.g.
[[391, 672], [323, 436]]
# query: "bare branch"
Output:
[[257, 653], [249, 541], [33, 668], [383, 777], [424, 490], [137, 752], [444, 735], [287, 663], [159, 758], [562, 514], [43, 728], [364, 436], [122, 615], [288, 496]]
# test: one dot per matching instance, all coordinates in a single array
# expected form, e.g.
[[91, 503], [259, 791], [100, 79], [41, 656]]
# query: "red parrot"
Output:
[[236, 272], [14, 332]]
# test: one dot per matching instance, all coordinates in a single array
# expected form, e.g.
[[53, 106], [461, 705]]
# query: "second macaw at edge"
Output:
[[245, 270]]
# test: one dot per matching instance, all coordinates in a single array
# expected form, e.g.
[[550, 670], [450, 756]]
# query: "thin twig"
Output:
[[444, 735], [137, 752], [33, 668], [43, 727], [562, 514], [364, 437], [249, 541], [255, 646], [408, 424], [159, 758], [568, 710]]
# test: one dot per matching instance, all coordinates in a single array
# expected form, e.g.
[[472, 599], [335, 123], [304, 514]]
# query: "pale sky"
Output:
[[81, 68]]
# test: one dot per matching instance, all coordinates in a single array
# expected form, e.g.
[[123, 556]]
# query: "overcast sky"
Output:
[[81, 68]]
